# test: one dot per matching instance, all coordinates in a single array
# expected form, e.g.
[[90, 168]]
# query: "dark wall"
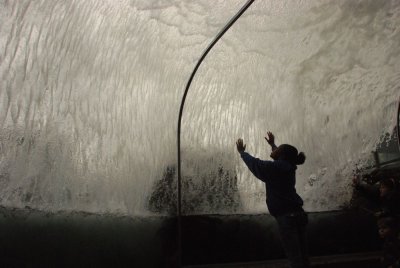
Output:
[[30, 238], [209, 239]]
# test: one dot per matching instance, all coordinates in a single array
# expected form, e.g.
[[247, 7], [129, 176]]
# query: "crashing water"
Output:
[[90, 92]]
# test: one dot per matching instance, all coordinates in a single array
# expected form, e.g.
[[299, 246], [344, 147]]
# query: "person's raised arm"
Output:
[[258, 167], [271, 140]]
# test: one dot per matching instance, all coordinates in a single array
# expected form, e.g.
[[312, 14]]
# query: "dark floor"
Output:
[[358, 260]]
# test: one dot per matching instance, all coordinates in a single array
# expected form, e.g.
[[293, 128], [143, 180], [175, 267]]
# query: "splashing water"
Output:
[[90, 92]]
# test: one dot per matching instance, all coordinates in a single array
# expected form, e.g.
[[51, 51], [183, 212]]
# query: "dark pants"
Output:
[[292, 228]]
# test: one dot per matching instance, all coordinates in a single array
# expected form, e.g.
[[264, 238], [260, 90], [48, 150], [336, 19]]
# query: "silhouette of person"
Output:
[[283, 202]]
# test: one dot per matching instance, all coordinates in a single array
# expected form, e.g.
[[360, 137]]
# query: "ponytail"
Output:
[[300, 159]]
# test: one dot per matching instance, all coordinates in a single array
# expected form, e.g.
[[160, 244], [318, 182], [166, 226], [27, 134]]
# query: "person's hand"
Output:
[[240, 146], [270, 138], [356, 180]]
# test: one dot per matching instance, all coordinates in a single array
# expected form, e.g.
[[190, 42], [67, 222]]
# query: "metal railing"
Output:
[[210, 46]]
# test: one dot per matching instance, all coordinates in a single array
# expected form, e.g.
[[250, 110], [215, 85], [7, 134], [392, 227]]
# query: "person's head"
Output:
[[387, 227], [386, 186], [288, 153]]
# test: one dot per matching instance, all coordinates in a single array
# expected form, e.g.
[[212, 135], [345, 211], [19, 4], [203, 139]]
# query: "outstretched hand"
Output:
[[270, 138], [240, 146], [356, 180]]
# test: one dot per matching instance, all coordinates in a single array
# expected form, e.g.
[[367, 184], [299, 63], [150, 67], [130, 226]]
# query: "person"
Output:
[[283, 202], [389, 232], [387, 197]]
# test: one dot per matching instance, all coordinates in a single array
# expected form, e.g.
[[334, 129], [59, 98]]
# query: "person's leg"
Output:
[[289, 231], [302, 232]]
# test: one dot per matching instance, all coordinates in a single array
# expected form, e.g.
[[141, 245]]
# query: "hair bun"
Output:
[[301, 158]]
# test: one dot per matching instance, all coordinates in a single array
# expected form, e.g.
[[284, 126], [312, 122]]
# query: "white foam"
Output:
[[90, 91]]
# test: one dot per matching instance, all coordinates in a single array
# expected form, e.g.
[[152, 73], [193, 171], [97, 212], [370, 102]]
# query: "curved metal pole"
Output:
[[210, 46], [398, 124]]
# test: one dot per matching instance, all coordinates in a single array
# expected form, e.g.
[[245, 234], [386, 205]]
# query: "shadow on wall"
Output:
[[209, 185]]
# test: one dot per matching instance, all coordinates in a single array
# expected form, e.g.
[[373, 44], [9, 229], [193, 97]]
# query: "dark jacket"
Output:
[[391, 253], [280, 178]]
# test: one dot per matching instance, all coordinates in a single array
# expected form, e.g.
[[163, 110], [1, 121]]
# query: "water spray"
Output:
[[210, 46]]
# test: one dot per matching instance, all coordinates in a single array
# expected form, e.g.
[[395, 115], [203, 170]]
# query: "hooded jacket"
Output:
[[279, 177]]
